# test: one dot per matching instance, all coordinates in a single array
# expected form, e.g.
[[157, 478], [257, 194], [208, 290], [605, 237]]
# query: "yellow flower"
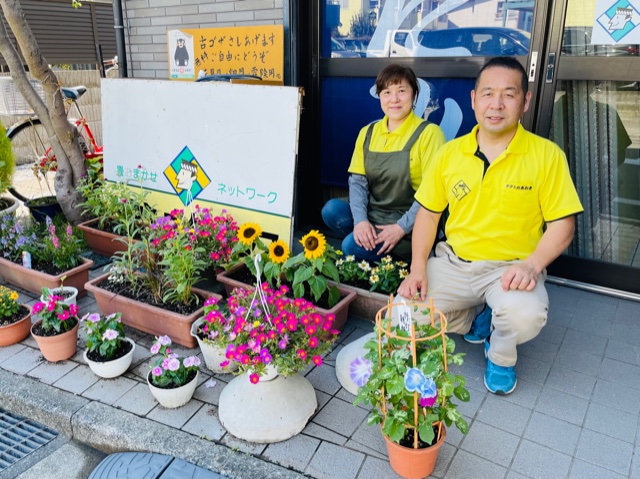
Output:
[[350, 258], [387, 259], [249, 232], [375, 270], [374, 278], [14, 296], [314, 244], [339, 262], [256, 324], [363, 265], [404, 273], [278, 251]]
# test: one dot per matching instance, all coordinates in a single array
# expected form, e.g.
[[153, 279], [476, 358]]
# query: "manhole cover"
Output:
[[19, 437]]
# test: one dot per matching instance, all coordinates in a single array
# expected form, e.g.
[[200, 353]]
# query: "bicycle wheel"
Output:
[[31, 148], [30, 145]]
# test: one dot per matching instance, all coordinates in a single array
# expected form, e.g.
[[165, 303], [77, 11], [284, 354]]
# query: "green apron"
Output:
[[390, 191]]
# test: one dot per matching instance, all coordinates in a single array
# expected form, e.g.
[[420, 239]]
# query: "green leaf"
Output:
[[395, 385], [317, 286], [393, 429], [298, 290], [329, 269], [462, 394], [334, 296], [302, 275], [426, 432]]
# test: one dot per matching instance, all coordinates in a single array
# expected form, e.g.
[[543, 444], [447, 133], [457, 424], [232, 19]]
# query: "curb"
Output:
[[113, 430]]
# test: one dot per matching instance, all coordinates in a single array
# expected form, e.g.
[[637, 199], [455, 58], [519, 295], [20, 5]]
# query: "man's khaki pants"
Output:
[[458, 287]]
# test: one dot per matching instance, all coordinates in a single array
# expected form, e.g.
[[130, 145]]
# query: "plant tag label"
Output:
[[26, 259], [404, 318]]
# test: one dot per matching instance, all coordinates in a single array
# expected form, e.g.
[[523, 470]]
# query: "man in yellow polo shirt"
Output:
[[512, 204]]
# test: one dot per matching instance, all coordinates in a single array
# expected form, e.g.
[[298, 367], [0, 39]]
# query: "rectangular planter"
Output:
[[147, 318], [33, 281], [101, 242], [367, 303]]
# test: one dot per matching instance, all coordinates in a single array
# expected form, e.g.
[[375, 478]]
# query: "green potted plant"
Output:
[[110, 206], [15, 318], [109, 353], [56, 332], [271, 337], [404, 375], [309, 273], [172, 379], [37, 255], [152, 282]]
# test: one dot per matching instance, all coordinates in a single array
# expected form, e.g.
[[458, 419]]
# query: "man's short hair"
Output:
[[509, 63]]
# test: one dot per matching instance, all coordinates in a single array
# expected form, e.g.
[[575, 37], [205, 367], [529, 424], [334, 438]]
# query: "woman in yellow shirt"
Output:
[[388, 162]]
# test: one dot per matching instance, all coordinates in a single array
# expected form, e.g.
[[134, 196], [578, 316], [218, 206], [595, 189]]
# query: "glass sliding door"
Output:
[[595, 117]]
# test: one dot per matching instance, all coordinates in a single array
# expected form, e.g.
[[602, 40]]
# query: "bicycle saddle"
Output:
[[74, 93]]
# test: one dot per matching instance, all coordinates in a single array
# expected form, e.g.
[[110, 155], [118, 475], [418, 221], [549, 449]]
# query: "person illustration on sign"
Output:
[[187, 175], [620, 19], [181, 55]]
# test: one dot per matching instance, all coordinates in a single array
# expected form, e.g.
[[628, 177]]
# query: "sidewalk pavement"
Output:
[[575, 413]]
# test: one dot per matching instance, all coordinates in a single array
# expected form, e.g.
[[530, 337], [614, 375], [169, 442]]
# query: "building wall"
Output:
[[147, 22]]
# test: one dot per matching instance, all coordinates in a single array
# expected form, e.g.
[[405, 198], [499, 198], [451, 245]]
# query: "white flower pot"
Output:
[[270, 374], [68, 301], [176, 397], [212, 353], [113, 368]]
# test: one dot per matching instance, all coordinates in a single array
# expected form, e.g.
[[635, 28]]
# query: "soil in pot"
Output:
[[63, 293], [244, 275], [144, 296], [123, 349], [22, 312], [4, 204], [39, 331], [407, 440]]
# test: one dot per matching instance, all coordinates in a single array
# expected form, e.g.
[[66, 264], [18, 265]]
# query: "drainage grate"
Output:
[[19, 437]]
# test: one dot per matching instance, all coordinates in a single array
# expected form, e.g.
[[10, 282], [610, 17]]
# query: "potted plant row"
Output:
[[38, 255], [404, 376]]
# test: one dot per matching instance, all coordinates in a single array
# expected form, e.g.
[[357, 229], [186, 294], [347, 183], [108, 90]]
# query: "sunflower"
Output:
[[278, 251], [249, 232], [314, 244]]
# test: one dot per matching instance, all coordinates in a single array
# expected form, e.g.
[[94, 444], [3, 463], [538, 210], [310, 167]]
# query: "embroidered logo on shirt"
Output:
[[518, 187], [461, 190]]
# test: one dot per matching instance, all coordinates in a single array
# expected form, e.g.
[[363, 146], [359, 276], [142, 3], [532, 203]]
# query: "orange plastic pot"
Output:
[[16, 332], [414, 463], [58, 347]]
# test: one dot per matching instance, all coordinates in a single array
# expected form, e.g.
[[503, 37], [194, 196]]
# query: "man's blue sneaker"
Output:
[[480, 328], [499, 380]]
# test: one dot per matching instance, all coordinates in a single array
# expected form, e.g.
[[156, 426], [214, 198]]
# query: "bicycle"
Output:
[[29, 138]]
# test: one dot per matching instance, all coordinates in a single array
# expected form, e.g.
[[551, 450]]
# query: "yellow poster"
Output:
[[255, 50]]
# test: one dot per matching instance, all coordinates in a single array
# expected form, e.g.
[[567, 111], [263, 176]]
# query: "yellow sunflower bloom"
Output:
[[249, 232], [278, 251], [314, 244]]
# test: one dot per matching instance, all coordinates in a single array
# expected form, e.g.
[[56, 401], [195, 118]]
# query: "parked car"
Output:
[[576, 41], [479, 41], [338, 50]]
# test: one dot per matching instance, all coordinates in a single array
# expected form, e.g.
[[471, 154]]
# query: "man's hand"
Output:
[[521, 276], [389, 236], [413, 284], [365, 235]]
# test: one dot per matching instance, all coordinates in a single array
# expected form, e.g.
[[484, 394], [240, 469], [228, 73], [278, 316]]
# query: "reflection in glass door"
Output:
[[596, 120], [428, 28]]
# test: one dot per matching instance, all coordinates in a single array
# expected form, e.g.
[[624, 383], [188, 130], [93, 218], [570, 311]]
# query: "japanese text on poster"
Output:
[[255, 50]]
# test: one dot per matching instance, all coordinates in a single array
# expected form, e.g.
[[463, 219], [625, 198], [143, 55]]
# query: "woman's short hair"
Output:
[[394, 74]]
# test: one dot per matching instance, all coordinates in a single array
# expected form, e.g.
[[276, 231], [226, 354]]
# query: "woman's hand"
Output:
[[389, 236], [365, 235]]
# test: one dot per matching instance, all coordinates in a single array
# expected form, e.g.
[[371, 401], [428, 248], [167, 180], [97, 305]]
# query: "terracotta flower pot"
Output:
[[101, 242], [59, 347], [147, 318], [175, 397], [339, 310], [16, 332], [414, 463], [367, 303], [113, 368], [34, 281]]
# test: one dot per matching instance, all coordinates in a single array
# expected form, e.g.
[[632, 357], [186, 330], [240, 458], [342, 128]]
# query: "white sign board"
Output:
[[616, 22], [231, 144]]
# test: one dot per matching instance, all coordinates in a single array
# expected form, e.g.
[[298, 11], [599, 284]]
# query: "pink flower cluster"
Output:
[[290, 333], [52, 308]]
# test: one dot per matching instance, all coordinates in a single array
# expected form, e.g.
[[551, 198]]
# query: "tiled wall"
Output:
[[147, 21]]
